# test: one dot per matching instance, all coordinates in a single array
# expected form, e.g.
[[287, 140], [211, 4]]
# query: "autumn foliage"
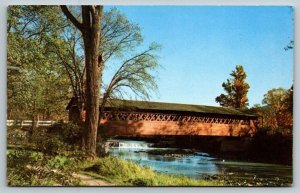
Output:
[[236, 90]]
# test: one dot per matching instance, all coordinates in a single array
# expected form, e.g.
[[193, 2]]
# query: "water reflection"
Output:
[[198, 165]]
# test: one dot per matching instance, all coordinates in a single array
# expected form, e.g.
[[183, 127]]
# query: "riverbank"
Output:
[[126, 173], [33, 168]]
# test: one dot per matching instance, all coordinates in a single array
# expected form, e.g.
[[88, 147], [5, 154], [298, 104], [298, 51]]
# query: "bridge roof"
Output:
[[175, 107], [150, 106]]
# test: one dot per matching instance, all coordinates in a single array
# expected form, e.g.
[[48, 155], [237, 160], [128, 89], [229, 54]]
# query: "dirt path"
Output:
[[87, 180]]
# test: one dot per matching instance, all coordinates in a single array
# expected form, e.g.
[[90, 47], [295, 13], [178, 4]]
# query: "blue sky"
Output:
[[201, 45]]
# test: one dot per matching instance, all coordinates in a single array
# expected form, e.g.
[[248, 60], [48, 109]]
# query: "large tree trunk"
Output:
[[91, 32], [92, 96], [91, 36]]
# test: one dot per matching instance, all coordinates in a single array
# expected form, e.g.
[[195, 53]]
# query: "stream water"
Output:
[[197, 165]]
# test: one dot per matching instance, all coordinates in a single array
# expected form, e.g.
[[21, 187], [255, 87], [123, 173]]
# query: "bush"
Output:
[[18, 158], [29, 168], [57, 138], [63, 163], [69, 133], [16, 136], [49, 144]]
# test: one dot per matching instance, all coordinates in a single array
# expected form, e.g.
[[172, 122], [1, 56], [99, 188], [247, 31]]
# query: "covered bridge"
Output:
[[144, 118]]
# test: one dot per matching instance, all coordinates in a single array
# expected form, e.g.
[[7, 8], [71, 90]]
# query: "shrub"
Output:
[[18, 158], [16, 136], [63, 163], [69, 133], [57, 138], [49, 144], [29, 168]]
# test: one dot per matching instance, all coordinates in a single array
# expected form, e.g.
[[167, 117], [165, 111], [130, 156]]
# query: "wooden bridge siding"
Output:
[[140, 128]]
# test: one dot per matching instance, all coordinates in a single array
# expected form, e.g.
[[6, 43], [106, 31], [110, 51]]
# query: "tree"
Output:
[[278, 101], [90, 28], [289, 101], [119, 38], [64, 42], [134, 74], [69, 52], [236, 89], [119, 42], [266, 119], [39, 88]]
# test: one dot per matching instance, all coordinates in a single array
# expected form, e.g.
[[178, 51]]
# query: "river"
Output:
[[199, 164]]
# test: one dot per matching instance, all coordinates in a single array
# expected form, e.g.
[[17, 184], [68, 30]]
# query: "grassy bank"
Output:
[[32, 168], [52, 158], [127, 173]]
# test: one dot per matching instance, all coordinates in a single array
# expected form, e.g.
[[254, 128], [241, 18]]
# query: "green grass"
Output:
[[126, 173], [34, 168]]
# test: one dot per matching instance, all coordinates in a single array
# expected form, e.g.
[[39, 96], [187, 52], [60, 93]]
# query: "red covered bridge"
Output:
[[144, 118]]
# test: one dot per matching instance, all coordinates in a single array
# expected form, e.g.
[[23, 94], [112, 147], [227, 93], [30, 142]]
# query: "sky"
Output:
[[201, 45]]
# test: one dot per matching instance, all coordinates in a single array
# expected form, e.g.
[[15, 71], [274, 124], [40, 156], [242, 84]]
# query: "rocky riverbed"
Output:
[[233, 179], [197, 164]]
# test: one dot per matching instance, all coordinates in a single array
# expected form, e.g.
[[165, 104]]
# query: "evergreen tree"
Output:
[[236, 90]]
